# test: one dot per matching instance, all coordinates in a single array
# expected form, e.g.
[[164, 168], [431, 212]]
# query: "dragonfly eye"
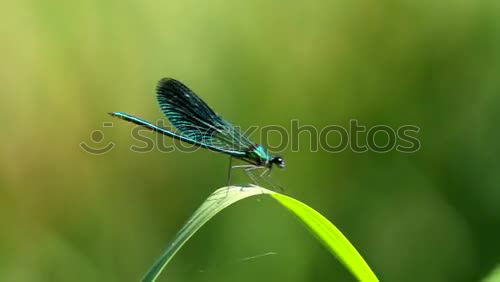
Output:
[[279, 161]]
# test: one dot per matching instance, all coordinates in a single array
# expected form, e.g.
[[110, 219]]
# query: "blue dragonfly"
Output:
[[199, 125]]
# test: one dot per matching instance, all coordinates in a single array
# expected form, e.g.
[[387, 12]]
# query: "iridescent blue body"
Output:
[[259, 155], [201, 126]]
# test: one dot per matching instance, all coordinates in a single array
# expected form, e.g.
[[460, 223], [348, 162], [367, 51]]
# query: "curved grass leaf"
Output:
[[318, 225], [494, 276], [329, 236]]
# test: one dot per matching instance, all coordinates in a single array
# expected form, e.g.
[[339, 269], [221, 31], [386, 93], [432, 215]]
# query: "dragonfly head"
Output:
[[279, 161]]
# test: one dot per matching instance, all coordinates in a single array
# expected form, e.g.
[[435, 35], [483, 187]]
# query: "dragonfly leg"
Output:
[[229, 171], [244, 166], [248, 172], [265, 176], [229, 174], [269, 172]]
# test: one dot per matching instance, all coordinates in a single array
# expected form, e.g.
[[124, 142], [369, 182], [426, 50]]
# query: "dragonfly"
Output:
[[199, 125]]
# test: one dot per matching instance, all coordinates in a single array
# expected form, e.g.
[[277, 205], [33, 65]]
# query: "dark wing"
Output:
[[194, 118]]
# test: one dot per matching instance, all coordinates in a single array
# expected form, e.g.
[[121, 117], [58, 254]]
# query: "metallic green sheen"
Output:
[[260, 155]]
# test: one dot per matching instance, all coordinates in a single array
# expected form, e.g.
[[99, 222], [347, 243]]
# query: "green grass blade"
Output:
[[329, 236], [494, 276], [322, 229], [216, 202]]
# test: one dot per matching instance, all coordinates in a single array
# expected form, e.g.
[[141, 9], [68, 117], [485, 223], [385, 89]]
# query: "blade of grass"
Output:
[[217, 201], [329, 236], [494, 276], [318, 225]]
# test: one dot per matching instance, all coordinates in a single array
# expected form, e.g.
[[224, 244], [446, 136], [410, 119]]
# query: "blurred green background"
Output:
[[67, 215]]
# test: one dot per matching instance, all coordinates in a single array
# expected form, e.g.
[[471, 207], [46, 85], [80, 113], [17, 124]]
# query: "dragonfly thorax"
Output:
[[259, 156]]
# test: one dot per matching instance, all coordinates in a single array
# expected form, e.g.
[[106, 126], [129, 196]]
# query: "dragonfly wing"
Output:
[[195, 119]]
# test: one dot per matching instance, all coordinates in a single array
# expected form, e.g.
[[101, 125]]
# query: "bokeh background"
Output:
[[67, 215]]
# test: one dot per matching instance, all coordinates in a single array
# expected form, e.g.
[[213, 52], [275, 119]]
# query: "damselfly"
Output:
[[199, 125]]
